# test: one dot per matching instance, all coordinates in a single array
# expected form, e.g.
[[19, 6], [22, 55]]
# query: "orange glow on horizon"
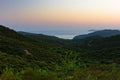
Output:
[[69, 17], [60, 11]]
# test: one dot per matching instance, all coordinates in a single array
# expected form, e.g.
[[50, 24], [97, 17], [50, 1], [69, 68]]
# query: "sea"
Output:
[[65, 36], [61, 34]]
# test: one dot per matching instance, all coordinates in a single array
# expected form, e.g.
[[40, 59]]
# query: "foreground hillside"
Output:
[[28, 56], [13, 43], [105, 50]]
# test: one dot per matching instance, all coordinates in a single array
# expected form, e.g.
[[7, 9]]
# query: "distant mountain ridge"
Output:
[[101, 33]]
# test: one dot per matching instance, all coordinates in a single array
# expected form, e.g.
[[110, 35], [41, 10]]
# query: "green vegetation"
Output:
[[27, 56]]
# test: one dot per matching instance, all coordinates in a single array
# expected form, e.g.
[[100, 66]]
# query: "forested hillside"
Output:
[[28, 56], [16, 44], [99, 33]]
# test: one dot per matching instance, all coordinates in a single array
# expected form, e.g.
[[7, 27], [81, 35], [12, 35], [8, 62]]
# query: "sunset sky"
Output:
[[60, 15]]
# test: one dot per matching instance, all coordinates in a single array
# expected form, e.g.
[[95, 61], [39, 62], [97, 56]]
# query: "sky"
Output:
[[60, 16]]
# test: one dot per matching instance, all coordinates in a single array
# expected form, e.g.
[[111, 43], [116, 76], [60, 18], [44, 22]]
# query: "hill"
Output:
[[33, 51], [101, 33], [103, 49], [45, 38], [40, 57], [49, 48]]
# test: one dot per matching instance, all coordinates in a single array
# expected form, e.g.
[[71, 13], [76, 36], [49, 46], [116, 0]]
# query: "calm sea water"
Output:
[[62, 34], [65, 36]]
